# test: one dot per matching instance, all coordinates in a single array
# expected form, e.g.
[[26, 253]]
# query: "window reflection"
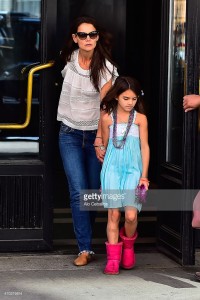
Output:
[[19, 47], [176, 81]]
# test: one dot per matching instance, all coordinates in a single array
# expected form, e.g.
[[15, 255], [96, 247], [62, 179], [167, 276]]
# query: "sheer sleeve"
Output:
[[109, 72]]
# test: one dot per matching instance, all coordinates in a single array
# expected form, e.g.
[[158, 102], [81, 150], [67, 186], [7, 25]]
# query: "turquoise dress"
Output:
[[122, 169]]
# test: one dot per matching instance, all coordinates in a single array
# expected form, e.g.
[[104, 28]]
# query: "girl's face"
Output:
[[86, 37], [127, 100]]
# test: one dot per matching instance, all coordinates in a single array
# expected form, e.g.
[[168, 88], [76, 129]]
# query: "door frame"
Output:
[[179, 244], [34, 175]]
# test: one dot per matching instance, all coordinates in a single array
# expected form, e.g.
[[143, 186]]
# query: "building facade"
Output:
[[162, 51]]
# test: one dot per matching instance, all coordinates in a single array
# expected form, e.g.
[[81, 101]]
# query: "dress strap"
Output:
[[134, 117]]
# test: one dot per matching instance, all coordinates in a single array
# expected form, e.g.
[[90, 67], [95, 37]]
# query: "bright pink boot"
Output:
[[114, 252], [128, 254], [196, 212]]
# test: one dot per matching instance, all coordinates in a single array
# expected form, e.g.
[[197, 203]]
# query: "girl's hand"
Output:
[[144, 181], [100, 152]]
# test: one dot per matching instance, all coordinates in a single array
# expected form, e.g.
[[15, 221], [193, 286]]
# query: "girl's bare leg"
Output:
[[113, 225], [130, 221]]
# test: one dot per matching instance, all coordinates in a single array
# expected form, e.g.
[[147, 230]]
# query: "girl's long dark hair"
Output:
[[102, 50], [122, 84]]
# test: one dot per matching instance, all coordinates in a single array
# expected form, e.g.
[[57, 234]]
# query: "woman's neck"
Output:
[[84, 59]]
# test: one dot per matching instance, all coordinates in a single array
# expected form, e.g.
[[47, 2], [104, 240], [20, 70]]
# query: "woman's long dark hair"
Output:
[[102, 50], [122, 84]]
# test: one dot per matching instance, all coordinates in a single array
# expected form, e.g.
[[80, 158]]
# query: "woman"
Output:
[[88, 74]]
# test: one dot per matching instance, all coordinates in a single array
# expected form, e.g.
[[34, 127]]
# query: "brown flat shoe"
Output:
[[197, 275], [83, 259]]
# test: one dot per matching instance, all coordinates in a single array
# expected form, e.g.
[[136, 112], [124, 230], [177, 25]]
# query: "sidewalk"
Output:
[[52, 276]]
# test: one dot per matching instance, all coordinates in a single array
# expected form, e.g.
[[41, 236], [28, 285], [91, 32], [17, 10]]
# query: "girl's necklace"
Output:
[[116, 143]]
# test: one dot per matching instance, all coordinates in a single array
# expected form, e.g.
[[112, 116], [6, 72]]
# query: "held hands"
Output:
[[191, 102], [99, 148]]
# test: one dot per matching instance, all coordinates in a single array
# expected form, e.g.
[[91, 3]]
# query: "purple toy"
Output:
[[141, 193]]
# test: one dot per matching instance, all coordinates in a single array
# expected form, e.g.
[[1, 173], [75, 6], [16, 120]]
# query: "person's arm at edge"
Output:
[[191, 102]]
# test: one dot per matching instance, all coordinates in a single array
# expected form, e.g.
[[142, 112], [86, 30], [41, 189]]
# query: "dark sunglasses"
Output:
[[84, 35]]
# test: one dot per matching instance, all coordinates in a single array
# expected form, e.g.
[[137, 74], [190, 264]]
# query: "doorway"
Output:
[[134, 25]]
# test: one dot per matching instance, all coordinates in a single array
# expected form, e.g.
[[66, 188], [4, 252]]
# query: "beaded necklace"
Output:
[[116, 143]]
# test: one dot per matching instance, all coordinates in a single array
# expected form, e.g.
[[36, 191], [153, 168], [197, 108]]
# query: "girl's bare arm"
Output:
[[145, 151], [106, 122]]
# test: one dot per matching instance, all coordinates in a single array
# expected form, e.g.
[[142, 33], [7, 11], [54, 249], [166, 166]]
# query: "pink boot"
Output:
[[196, 212], [128, 254], [114, 252]]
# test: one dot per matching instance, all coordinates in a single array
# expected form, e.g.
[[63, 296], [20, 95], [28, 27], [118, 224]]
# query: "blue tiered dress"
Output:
[[122, 169]]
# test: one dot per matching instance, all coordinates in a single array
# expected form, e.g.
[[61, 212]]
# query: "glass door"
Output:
[[27, 32], [178, 130], [20, 51], [175, 92]]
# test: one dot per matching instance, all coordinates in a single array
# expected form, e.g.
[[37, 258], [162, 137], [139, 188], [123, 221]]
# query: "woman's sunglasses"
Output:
[[84, 35]]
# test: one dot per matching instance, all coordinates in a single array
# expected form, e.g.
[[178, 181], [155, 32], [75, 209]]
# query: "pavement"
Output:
[[52, 276]]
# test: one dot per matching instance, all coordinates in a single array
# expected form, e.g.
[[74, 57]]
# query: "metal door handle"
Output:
[[27, 68], [29, 97]]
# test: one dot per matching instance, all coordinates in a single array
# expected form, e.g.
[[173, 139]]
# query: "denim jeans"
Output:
[[82, 169]]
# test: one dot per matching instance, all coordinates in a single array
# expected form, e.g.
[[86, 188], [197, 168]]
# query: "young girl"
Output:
[[125, 137]]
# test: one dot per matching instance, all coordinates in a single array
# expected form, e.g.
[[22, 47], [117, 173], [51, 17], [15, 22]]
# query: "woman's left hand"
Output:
[[100, 149]]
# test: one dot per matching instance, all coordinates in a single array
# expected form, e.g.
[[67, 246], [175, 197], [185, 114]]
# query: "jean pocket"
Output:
[[65, 129]]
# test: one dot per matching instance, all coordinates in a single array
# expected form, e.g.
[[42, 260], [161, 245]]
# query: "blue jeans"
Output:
[[82, 169]]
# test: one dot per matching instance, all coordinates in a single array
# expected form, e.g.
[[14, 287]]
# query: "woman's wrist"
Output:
[[98, 140]]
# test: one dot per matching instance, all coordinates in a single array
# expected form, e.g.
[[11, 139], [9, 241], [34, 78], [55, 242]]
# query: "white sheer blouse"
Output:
[[79, 103]]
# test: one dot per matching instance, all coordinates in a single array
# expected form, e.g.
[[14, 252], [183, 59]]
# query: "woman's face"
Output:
[[86, 42]]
